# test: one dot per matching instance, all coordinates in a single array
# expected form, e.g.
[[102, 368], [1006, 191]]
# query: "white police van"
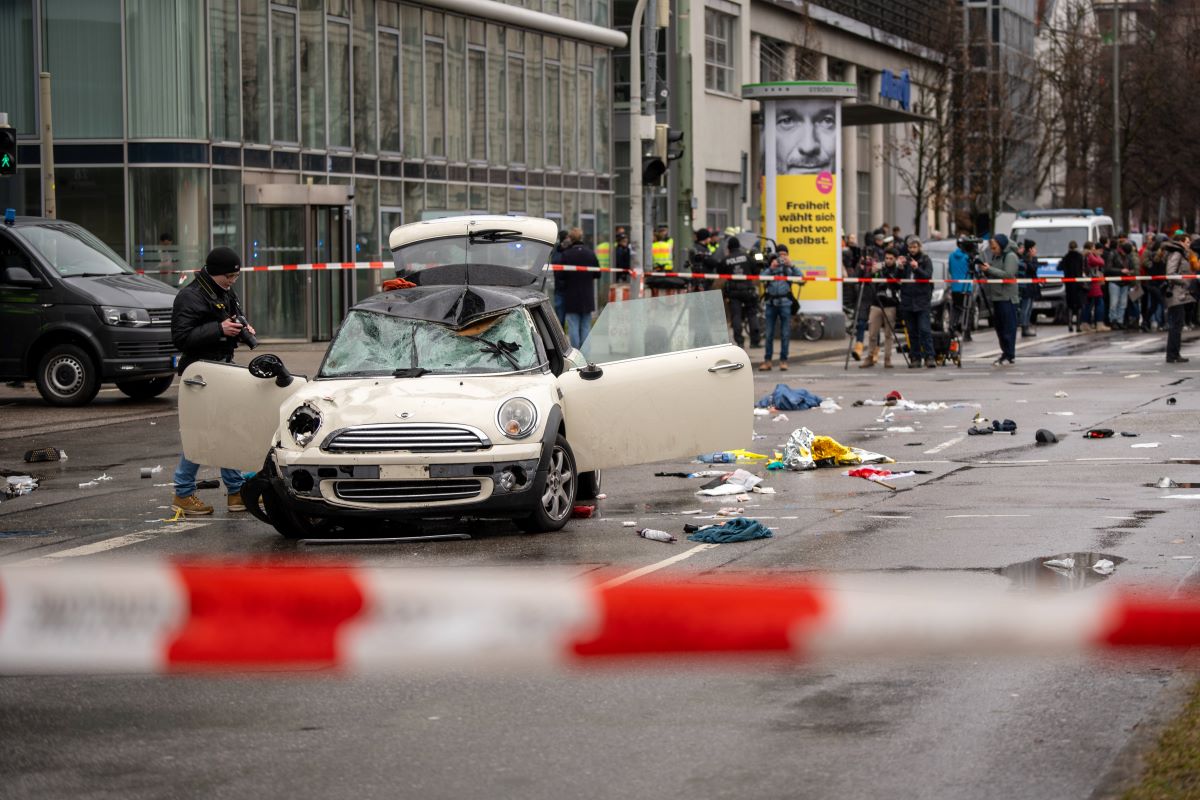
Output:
[[1052, 229]]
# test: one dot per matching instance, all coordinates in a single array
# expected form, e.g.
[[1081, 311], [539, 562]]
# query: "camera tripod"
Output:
[[902, 347]]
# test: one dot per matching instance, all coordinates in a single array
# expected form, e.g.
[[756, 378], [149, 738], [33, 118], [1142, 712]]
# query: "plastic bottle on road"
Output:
[[658, 536], [717, 458]]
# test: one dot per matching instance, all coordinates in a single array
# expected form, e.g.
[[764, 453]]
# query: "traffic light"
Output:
[[654, 166], [8, 151]]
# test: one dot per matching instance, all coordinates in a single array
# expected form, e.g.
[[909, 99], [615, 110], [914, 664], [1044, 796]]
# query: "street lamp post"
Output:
[[1116, 82]]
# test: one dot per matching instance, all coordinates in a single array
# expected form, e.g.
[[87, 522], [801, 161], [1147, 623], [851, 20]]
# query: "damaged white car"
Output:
[[460, 396]]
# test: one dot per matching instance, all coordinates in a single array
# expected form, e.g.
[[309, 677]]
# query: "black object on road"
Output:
[[1044, 436]]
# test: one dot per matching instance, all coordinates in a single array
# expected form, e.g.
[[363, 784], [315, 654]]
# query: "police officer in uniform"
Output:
[[741, 296]]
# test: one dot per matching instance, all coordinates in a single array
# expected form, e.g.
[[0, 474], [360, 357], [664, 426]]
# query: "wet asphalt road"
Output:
[[990, 510]]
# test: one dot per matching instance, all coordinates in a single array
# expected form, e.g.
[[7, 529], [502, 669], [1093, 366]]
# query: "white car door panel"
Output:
[[662, 407], [228, 417]]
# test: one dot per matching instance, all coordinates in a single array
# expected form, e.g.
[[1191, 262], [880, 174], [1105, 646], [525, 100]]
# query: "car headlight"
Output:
[[516, 418], [127, 317], [304, 423]]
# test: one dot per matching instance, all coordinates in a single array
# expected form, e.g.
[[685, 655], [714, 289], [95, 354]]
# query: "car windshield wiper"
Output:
[[494, 235], [93, 274], [502, 349], [409, 372]]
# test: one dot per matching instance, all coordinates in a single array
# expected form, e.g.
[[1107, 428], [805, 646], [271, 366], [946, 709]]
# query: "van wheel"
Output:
[[146, 389], [557, 499], [67, 376]]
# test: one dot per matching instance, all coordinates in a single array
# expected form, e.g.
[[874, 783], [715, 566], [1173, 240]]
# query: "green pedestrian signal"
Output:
[[8, 152]]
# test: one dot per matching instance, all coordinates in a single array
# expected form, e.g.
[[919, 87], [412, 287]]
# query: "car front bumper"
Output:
[[131, 354]]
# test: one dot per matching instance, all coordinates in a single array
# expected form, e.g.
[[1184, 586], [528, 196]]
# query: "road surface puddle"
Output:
[[1064, 572]]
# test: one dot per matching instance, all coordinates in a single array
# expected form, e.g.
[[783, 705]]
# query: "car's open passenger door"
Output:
[[228, 417], [671, 386]]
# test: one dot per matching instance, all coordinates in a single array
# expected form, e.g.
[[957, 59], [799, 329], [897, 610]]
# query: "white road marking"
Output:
[[983, 516], [666, 562], [933, 451], [1027, 461], [1134, 375], [1114, 458], [115, 542], [1180, 497]]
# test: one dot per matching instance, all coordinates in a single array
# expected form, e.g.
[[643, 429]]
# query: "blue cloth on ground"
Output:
[[739, 529], [785, 398]]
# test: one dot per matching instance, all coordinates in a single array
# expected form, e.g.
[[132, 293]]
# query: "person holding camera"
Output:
[[206, 325], [780, 303], [916, 302], [1003, 264], [883, 303]]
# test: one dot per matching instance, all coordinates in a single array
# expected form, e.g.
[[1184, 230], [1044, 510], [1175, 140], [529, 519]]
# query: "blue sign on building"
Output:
[[898, 88]]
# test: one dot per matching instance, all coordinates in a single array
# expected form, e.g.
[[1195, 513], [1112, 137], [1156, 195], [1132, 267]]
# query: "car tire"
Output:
[[589, 485], [288, 523], [146, 389], [67, 376], [812, 329], [557, 499]]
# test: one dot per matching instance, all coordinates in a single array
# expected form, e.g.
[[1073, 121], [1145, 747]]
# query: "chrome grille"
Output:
[[145, 349], [411, 437], [160, 317], [407, 491]]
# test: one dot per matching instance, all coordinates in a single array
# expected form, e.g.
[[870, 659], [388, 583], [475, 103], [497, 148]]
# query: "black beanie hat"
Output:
[[222, 261]]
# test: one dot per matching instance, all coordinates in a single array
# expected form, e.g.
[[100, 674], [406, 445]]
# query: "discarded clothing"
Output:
[[1099, 433], [974, 431], [736, 530], [1007, 426], [785, 398], [1044, 436], [805, 450]]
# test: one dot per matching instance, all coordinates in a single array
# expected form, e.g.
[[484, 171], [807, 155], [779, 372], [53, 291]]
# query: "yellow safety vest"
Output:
[[602, 254], [660, 255]]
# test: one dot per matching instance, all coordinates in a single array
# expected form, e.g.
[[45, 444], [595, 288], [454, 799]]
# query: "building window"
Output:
[[435, 98], [83, 53], [338, 53], [19, 83], [366, 108], [414, 79], [553, 105], [864, 204], [389, 90], [536, 123], [456, 89], [283, 75], [165, 53], [719, 50], [312, 74], [173, 202], [497, 113], [477, 94], [721, 203]]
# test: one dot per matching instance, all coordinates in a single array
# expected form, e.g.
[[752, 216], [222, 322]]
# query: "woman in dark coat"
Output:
[[1072, 267]]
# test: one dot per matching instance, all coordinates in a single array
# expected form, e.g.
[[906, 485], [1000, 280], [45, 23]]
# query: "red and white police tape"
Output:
[[379, 265], [161, 617]]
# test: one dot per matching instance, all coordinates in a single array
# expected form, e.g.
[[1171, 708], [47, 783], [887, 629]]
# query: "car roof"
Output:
[[542, 230], [1060, 222]]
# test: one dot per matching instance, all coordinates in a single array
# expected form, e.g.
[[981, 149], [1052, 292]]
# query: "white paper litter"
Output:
[[1061, 393], [779, 418], [1060, 413], [1166, 483], [1060, 563], [901, 429], [746, 480], [742, 498], [763, 490], [725, 489], [17, 485], [628, 524], [762, 412], [1103, 567], [830, 406]]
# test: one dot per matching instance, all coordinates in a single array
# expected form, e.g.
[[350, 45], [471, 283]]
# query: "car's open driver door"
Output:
[[228, 417]]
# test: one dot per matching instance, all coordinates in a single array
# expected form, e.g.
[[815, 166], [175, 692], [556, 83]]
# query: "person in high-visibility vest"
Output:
[[603, 254], [661, 249]]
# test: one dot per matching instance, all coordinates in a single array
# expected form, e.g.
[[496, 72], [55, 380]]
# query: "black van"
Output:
[[74, 315]]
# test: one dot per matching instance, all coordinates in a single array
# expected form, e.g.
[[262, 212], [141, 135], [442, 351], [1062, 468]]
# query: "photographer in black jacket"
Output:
[[205, 327], [915, 303]]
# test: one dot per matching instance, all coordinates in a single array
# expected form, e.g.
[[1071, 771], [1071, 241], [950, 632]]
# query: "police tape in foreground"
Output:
[[158, 618]]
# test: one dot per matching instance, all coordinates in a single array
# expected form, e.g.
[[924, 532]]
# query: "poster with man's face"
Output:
[[801, 136]]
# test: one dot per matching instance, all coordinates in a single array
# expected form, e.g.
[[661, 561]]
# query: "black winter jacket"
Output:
[[577, 288], [916, 296], [200, 308]]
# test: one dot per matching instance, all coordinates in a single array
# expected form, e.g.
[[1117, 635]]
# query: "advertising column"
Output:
[[802, 134]]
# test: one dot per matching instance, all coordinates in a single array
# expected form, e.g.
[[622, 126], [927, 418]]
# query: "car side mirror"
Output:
[[591, 372], [269, 366], [18, 276]]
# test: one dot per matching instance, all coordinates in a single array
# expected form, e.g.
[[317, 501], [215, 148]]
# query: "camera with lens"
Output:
[[245, 337]]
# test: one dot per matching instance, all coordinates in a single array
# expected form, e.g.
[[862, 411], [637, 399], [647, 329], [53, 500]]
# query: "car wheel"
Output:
[[557, 499], [147, 389], [288, 523], [589, 485], [67, 376]]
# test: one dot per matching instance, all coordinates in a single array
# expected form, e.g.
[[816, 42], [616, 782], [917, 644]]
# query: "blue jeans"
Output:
[[560, 308], [578, 326], [1093, 310], [781, 314], [1005, 320], [1118, 297], [1025, 316], [185, 478], [920, 335]]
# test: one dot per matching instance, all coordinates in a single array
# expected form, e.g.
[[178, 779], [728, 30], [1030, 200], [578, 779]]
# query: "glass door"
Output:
[[275, 302], [332, 294]]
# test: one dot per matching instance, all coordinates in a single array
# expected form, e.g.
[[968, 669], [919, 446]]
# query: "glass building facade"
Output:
[[305, 130]]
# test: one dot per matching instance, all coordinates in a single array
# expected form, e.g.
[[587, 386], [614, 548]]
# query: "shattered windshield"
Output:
[[373, 344], [495, 246]]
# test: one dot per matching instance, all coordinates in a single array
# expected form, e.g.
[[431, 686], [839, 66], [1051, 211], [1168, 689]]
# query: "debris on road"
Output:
[[208, 483], [1060, 564], [829, 406], [1165, 483], [1044, 436], [1103, 567], [736, 530], [1060, 393], [582, 512], [762, 412], [785, 398], [45, 454], [977, 431], [1060, 413], [805, 450], [779, 418], [1007, 426], [1099, 433], [18, 485], [656, 535], [901, 429], [148, 472], [1170, 401], [730, 511], [1130, 435], [96, 481]]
